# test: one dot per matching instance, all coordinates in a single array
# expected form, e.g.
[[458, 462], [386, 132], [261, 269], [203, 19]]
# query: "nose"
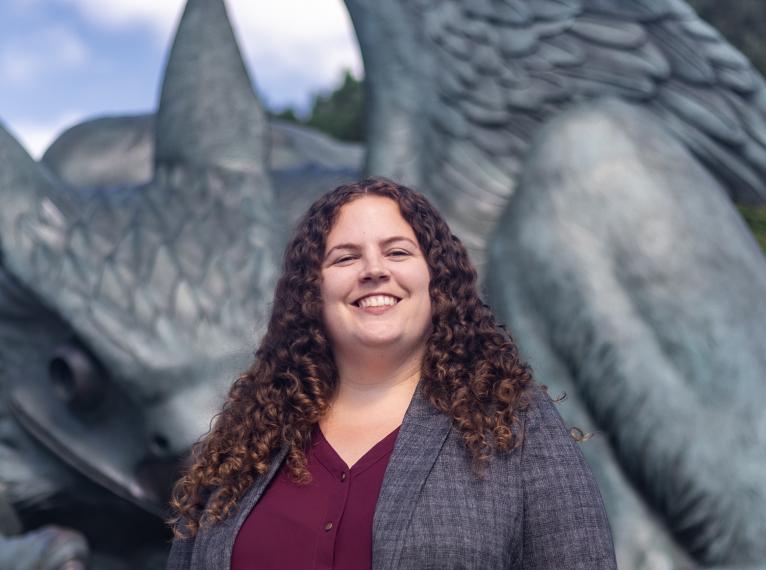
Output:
[[374, 268]]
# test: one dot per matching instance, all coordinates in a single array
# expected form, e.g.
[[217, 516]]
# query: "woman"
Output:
[[387, 421]]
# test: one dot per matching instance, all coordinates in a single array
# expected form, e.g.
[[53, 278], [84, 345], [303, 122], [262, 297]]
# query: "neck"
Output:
[[373, 378]]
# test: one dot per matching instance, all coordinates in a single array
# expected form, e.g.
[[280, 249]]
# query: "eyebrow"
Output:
[[385, 242]]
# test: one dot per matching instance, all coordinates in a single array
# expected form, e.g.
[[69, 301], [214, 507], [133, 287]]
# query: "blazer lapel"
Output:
[[420, 439], [213, 548]]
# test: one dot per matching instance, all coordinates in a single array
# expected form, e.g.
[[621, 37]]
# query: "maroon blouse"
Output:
[[324, 525]]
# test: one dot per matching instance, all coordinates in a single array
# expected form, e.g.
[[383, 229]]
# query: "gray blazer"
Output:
[[537, 507]]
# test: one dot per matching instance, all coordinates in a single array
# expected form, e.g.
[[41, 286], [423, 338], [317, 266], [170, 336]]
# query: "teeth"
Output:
[[377, 301]]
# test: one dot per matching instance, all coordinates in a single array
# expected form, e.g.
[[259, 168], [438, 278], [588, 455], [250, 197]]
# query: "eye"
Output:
[[399, 253], [344, 258]]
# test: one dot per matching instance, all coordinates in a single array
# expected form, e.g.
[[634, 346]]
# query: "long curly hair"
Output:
[[471, 369]]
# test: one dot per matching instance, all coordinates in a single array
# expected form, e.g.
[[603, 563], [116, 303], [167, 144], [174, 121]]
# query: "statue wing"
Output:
[[458, 88], [172, 271], [631, 282], [166, 283]]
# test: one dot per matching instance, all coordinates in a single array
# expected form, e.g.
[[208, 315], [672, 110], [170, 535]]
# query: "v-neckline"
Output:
[[417, 445], [325, 453]]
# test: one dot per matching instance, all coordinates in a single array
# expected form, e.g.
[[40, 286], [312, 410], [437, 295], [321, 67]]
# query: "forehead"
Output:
[[369, 217]]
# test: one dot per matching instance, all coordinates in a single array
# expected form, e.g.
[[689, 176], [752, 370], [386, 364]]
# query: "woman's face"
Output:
[[374, 280]]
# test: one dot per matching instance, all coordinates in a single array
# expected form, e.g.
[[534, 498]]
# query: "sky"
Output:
[[62, 61]]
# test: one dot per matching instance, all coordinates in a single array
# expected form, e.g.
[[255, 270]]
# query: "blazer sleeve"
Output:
[[180, 554], [565, 524]]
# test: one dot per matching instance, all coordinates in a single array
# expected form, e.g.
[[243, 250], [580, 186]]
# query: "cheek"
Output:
[[329, 314], [425, 287], [326, 285], [325, 296], [334, 289], [421, 279]]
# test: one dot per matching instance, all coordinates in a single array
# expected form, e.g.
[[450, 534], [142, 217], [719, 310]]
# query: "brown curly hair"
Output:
[[471, 370]]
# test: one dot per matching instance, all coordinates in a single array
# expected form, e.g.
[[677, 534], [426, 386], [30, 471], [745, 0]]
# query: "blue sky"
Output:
[[65, 60]]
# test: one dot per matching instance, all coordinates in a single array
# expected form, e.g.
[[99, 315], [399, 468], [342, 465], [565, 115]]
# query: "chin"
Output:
[[379, 342]]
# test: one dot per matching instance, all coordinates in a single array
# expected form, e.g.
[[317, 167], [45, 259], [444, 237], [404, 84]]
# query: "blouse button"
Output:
[[343, 476], [328, 526]]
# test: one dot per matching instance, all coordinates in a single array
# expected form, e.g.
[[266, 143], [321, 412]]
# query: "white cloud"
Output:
[[304, 42], [117, 14], [295, 47], [315, 34], [18, 67], [303, 45], [24, 60], [70, 50], [36, 136], [292, 48]]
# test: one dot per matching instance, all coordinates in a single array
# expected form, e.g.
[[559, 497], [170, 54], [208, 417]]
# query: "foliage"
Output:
[[742, 23], [755, 216], [288, 115], [339, 113]]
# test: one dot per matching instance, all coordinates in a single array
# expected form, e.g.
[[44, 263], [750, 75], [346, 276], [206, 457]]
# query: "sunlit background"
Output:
[[62, 61]]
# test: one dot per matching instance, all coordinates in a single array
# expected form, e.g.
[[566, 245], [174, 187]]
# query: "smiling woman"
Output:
[[374, 282], [377, 316], [387, 421]]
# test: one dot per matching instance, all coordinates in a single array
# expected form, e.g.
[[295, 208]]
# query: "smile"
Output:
[[376, 301]]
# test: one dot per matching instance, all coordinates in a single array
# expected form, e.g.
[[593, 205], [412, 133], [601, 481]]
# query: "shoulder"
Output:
[[547, 443], [210, 546], [565, 522], [541, 419], [180, 554]]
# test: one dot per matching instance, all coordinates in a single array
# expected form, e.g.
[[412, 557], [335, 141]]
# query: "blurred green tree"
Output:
[[339, 113], [288, 115], [743, 23]]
